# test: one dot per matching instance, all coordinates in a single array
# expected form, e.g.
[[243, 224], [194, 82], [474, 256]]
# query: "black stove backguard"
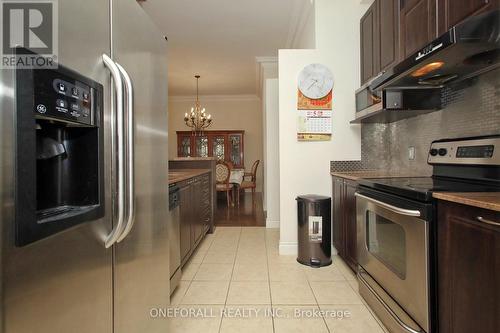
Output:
[[59, 152]]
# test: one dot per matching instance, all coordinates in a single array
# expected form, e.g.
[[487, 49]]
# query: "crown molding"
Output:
[[263, 63], [214, 98], [300, 14], [262, 60]]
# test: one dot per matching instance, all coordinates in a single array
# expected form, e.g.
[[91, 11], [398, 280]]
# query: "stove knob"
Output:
[[433, 152], [442, 151]]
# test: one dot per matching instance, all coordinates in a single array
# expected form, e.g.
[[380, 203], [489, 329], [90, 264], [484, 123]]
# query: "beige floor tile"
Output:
[[224, 244], [179, 292], [250, 272], [344, 269], [198, 256], [252, 246], [206, 292], [275, 258], [250, 258], [327, 273], [338, 292], [205, 244], [284, 293], [214, 272], [208, 323], [354, 285], [189, 270], [249, 292], [286, 272], [219, 257], [359, 319], [299, 319], [246, 319]]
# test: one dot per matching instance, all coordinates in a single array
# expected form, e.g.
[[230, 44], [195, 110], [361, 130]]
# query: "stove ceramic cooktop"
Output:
[[421, 188]]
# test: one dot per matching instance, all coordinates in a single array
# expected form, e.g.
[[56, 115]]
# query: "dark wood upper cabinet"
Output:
[[453, 12], [418, 25], [393, 30], [368, 29], [388, 27], [224, 145], [468, 269], [379, 29]]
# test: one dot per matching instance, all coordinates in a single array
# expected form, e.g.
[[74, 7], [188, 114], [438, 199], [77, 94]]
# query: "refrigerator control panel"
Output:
[[61, 97]]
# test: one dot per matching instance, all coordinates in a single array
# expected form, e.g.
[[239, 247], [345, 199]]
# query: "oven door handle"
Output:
[[398, 210], [386, 307]]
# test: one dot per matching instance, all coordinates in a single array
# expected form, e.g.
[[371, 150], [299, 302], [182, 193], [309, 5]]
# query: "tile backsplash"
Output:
[[471, 108]]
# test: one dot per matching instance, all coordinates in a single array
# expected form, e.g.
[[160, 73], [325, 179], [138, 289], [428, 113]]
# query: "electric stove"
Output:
[[459, 165]]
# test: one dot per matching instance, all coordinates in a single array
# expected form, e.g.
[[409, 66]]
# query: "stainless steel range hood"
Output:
[[467, 50]]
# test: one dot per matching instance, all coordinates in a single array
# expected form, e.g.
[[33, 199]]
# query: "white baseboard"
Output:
[[272, 223], [288, 248]]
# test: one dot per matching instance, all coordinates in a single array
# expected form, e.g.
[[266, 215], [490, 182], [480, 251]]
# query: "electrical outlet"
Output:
[[411, 153]]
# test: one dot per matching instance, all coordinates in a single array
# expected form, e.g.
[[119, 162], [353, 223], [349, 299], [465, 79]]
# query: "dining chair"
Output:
[[252, 182], [222, 174]]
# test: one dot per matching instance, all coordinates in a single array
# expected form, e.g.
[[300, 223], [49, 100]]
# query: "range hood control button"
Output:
[[433, 152], [442, 151]]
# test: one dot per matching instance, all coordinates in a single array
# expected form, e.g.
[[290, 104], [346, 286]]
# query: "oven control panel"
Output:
[[61, 97], [470, 151]]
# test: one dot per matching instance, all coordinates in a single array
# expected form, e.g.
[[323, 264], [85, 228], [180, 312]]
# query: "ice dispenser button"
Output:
[[75, 107], [61, 103], [74, 91], [61, 87]]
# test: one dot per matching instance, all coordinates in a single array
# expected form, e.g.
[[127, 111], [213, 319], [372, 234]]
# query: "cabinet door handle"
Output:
[[483, 220]]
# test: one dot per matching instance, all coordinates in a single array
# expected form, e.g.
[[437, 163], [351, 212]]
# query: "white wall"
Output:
[[271, 152], [232, 112], [304, 166]]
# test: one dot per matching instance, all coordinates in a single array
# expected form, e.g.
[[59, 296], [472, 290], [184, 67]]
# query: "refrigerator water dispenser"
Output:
[[59, 157]]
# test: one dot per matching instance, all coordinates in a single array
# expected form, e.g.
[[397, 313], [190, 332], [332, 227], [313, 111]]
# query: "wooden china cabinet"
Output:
[[224, 145]]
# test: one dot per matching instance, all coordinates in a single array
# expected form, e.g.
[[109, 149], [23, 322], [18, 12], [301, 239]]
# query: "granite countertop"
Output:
[[179, 175], [357, 175], [486, 200], [193, 159]]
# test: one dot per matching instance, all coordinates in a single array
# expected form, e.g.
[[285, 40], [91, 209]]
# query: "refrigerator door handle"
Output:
[[129, 89], [117, 115]]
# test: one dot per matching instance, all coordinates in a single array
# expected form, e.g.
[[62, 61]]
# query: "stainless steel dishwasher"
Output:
[[174, 236]]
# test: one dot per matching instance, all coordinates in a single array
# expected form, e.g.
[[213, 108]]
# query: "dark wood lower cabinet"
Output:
[[195, 213], [185, 216], [338, 238], [350, 224], [344, 220], [468, 269]]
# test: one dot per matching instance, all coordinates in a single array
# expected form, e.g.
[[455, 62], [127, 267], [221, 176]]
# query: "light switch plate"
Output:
[[411, 153]]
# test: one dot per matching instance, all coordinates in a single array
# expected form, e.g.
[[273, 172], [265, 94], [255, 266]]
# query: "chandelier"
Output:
[[197, 119]]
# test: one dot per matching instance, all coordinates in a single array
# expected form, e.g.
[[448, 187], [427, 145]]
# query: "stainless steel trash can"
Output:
[[314, 230]]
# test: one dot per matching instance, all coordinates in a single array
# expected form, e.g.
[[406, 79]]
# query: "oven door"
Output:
[[393, 249]]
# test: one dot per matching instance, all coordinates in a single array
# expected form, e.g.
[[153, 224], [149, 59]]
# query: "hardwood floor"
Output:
[[247, 214]]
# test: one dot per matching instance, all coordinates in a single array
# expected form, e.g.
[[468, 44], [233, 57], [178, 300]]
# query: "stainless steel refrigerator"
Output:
[[103, 274]]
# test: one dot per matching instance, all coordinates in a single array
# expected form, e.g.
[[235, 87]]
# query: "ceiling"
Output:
[[220, 40]]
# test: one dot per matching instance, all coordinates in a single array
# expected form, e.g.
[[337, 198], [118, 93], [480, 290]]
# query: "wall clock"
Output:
[[315, 81]]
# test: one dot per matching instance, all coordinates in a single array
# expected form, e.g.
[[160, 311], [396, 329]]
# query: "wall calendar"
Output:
[[314, 103]]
